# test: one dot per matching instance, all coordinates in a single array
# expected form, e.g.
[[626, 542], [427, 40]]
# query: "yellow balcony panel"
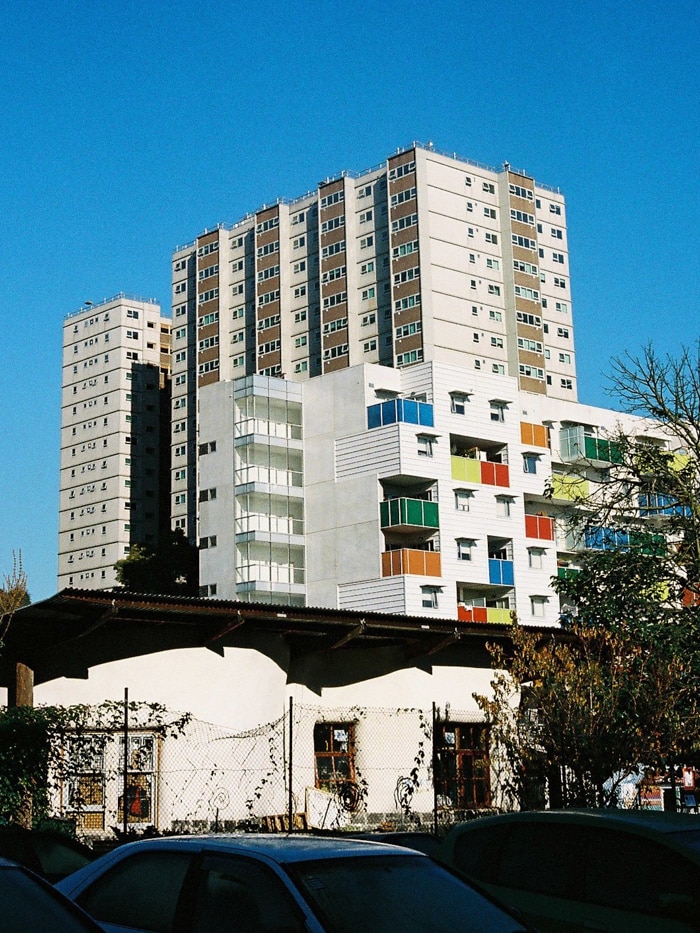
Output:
[[465, 469], [570, 487], [498, 616]]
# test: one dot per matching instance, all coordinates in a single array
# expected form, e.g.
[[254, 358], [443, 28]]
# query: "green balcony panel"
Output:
[[413, 513]]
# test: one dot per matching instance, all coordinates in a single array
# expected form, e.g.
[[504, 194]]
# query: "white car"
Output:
[[279, 884]]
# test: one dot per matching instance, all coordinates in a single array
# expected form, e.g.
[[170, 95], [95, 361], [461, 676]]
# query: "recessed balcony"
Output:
[[483, 614], [576, 444], [471, 470], [410, 561], [404, 514]]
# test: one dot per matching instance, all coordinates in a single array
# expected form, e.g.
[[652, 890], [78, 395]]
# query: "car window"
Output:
[[398, 893], [543, 858], [140, 892], [477, 852], [58, 858], [242, 895], [633, 873]]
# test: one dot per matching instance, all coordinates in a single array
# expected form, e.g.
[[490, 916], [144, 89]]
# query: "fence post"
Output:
[[291, 770], [434, 760], [125, 804]]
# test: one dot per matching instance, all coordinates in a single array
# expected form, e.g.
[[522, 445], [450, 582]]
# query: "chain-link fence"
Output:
[[348, 769]]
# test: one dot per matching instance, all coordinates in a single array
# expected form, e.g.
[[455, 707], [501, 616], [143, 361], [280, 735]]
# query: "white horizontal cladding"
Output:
[[387, 594], [375, 451]]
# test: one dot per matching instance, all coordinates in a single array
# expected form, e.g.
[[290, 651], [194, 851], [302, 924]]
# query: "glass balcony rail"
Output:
[[395, 410], [607, 539], [408, 561], [262, 572], [469, 470], [271, 524], [483, 614], [654, 503], [267, 428], [571, 487], [539, 526], [501, 572], [269, 475], [575, 444], [408, 513], [534, 435]]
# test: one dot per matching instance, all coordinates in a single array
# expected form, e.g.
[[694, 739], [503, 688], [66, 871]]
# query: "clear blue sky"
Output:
[[129, 127]]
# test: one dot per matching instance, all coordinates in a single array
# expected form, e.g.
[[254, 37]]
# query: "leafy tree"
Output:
[[619, 685], [171, 570], [13, 593]]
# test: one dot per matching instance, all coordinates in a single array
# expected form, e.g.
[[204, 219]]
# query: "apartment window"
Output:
[[564, 357], [472, 283], [205, 495], [181, 498], [497, 411], [369, 346], [426, 443], [300, 316], [368, 319], [537, 606], [495, 315], [559, 282], [492, 263], [300, 341], [368, 293], [470, 206], [458, 402], [488, 188], [497, 342], [530, 463], [561, 306], [567, 384], [429, 597], [557, 234], [558, 257], [503, 506], [535, 557], [365, 217], [464, 548], [470, 231], [334, 755], [299, 267], [299, 292], [298, 242], [367, 267], [490, 212], [492, 238], [364, 192], [463, 499], [498, 368]]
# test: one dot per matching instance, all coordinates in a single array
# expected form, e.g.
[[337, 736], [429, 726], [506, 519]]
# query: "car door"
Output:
[[636, 883], [139, 894], [538, 873], [238, 894]]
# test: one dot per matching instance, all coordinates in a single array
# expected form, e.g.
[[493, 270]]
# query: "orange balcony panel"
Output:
[[539, 526], [409, 561], [536, 435], [494, 474], [472, 613]]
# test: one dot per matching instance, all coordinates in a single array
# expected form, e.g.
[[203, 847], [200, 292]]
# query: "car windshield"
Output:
[[690, 839], [390, 893]]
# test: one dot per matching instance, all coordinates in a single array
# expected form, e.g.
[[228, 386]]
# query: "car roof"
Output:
[[282, 848], [655, 821]]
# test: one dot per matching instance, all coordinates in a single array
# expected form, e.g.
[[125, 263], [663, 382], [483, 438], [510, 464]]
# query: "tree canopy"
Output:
[[618, 687], [171, 570]]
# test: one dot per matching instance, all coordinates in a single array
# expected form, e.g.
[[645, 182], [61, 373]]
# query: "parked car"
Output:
[[28, 904], [51, 854], [279, 884], [575, 870]]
